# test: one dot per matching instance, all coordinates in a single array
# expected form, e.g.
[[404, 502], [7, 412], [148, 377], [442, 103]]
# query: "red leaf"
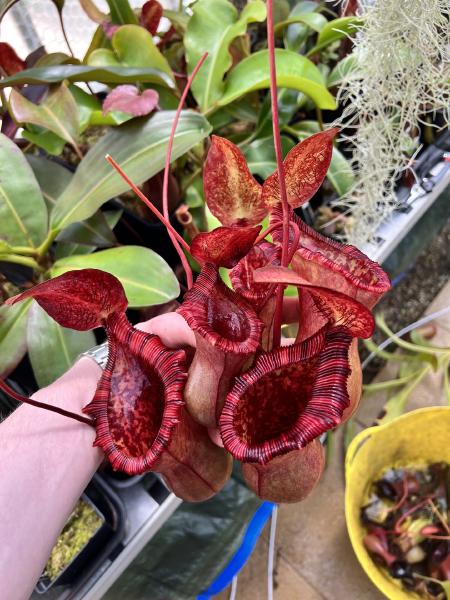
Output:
[[151, 14], [327, 263], [224, 246], [233, 195], [127, 99], [79, 300], [219, 315], [305, 168], [288, 398], [336, 308], [9, 61]]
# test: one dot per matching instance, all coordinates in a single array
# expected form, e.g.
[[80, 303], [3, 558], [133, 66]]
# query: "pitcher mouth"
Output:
[[139, 398], [357, 269], [219, 315], [288, 398]]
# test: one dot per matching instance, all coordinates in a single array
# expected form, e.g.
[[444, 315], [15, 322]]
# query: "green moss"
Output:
[[81, 526]]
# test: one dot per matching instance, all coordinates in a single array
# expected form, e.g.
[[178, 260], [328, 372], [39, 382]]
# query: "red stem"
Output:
[[280, 169], [262, 236], [403, 498], [280, 288], [147, 202], [181, 254], [65, 413], [405, 515]]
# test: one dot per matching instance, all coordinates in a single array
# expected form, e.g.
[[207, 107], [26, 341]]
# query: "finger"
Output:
[[171, 328]]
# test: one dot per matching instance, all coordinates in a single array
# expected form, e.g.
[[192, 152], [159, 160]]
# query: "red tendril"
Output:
[[147, 202], [65, 413], [174, 239]]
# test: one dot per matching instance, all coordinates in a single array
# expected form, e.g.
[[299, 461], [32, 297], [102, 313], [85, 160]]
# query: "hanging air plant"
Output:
[[399, 80]]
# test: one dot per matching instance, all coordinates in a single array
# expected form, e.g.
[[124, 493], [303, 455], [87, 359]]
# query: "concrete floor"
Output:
[[314, 558]]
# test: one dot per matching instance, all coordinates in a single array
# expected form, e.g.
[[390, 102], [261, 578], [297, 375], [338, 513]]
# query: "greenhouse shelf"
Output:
[[422, 197]]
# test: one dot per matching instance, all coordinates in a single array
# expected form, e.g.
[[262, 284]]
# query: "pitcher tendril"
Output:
[[181, 254]]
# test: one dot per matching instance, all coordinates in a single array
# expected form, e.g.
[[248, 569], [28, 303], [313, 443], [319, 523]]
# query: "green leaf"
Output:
[[260, 155], [95, 231], [112, 217], [146, 277], [53, 349], [52, 177], [87, 104], [178, 19], [293, 71], [109, 220], [112, 118], [56, 58], [212, 27], [396, 404], [98, 40], [194, 197], [42, 138], [23, 214], [13, 336], [313, 20], [340, 173], [64, 249], [121, 12], [347, 65], [133, 46], [139, 147], [336, 30], [74, 73], [57, 113], [243, 110], [297, 33], [288, 103]]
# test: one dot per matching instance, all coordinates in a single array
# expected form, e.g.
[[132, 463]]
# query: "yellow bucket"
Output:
[[417, 438]]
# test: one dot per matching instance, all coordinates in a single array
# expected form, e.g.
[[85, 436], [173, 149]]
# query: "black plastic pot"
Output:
[[106, 541], [118, 479], [135, 230]]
